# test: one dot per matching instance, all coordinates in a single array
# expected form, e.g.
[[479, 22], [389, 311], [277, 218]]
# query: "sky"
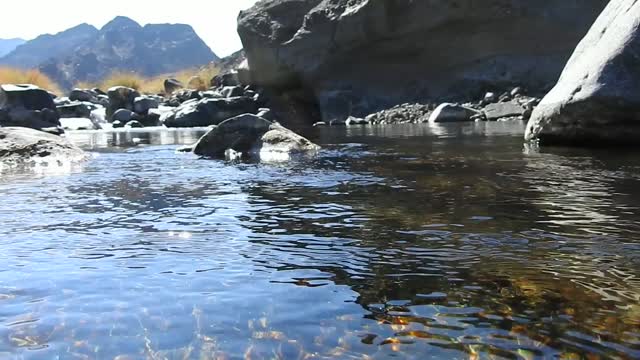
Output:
[[213, 20]]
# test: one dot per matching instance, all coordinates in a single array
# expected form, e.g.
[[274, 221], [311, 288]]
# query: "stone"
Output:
[[596, 101], [452, 113], [76, 109], [409, 51], [207, 112], [20, 145], [516, 91], [123, 115], [251, 135], [120, 97], [490, 98], [401, 114], [28, 97], [503, 110], [82, 95], [45, 120], [133, 124], [142, 104], [232, 91], [99, 117], [117, 124], [352, 120], [171, 86]]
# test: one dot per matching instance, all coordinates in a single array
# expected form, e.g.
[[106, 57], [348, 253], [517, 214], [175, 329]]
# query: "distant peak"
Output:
[[120, 22]]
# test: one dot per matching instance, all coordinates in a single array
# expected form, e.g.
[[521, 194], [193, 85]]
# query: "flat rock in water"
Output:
[[19, 145], [452, 113], [503, 110]]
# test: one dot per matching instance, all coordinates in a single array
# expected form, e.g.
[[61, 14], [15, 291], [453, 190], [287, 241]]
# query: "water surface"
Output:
[[411, 242]]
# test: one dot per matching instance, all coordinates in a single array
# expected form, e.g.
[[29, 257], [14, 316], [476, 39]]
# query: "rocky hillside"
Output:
[[8, 45], [87, 54], [358, 56]]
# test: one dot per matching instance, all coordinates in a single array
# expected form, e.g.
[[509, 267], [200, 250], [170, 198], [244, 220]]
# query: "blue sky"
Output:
[[213, 20]]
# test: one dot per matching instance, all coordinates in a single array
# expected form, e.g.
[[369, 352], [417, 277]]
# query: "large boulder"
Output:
[[19, 145], [28, 106], [209, 111], [120, 97], [409, 51], [249, 135], [597, 99]]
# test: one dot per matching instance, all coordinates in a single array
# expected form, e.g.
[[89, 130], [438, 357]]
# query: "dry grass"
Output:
[[155, 84], [10, 75]]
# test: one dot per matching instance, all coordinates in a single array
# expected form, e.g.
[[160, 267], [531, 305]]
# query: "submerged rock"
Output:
[[19, 145], [597, 99], [251, 135]]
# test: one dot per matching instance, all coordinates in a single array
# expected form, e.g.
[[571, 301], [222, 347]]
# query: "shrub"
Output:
[[10, 75]]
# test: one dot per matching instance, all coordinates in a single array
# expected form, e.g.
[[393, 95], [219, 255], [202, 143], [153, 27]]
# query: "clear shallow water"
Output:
[[395, 242]]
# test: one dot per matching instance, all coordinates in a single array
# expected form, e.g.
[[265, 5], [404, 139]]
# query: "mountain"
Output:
[[8, 45], [33, 53], [121, 45]]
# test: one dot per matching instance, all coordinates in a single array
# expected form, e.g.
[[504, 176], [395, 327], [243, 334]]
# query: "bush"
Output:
[[10, 75]]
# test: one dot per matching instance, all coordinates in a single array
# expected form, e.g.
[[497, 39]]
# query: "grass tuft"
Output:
[[10, 75]]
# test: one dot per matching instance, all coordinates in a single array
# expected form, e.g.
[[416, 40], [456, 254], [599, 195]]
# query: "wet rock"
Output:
[[171, 86], [120, 97], [208, 112], [597, 99], [352, 120], [448, 112], [251, 135], [19, 145], [142, 104]]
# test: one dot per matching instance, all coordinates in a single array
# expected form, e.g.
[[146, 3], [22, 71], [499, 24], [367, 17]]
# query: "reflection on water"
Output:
[[410, 241]]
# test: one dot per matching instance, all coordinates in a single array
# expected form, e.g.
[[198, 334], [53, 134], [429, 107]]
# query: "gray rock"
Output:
[[142, 104], [401, 114], [267, 114], [351, 121], [117, 124], [123, 115], [452, 113], [503, 110], [82, 95], [29, 97], [20, 145], [490, 98], [77, 109], [120, 97], [410, 50], [208, 112], [171, 86], [232, 91], [251, 135], [597, 99]]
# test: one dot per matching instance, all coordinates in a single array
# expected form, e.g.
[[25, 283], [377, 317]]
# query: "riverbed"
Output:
[[410, 241]]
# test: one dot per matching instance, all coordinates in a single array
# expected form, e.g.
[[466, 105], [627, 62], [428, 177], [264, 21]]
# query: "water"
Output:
[[416, 242]]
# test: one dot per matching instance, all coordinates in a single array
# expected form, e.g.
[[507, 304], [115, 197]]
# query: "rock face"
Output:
[[19, 145], [87, 54], [28, 106], [251, 135], [597, 99], [409, 51]]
